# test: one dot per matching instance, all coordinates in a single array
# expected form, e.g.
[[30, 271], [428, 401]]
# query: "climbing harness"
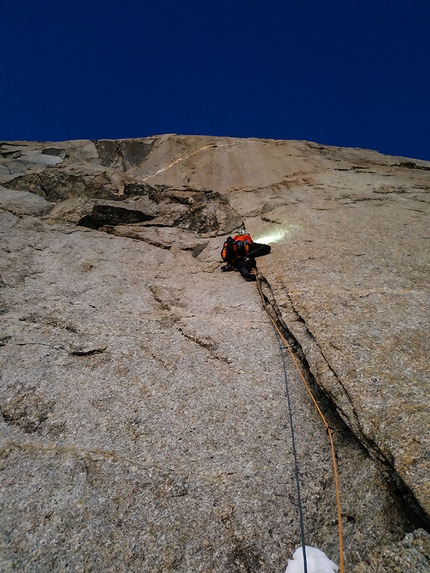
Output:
[[329, 431]]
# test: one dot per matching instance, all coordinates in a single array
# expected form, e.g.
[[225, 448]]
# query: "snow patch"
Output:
[[316, 561]]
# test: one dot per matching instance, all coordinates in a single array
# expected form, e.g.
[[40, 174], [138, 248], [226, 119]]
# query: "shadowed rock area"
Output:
[[144, 424]]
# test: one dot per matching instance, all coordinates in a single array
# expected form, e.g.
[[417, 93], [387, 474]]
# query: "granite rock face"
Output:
[[144, 425]]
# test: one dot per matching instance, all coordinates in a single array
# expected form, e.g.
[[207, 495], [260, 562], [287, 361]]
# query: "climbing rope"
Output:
[[327, 427], [296, 465]]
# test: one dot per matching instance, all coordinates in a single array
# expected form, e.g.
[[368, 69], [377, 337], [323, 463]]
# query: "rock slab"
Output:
[[143, 417]]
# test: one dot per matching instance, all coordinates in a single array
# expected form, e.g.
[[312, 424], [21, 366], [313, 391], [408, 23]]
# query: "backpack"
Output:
[[244, 236], [237, 246]]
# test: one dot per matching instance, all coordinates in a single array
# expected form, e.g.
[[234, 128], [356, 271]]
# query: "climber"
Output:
[[239, 253]]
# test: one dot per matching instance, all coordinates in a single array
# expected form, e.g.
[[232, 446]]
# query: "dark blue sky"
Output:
[[339, 72]]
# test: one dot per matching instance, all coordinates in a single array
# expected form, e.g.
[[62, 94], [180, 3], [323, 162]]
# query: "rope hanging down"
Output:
[[296, 465], [328, 430]]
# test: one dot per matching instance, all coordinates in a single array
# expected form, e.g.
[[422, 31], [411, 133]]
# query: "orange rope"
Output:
[[327, 427]]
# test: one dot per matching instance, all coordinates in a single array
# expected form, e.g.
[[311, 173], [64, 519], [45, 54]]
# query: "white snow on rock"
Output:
[[316, 561]]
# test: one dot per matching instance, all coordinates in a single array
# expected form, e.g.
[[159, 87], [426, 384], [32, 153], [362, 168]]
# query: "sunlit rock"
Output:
[[143, 417]]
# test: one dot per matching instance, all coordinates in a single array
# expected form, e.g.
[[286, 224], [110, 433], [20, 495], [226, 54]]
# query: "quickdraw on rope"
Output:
[[327, 427]]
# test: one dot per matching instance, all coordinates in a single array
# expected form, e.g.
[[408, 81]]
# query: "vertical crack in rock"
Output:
[[351, 416], [396, 484]]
